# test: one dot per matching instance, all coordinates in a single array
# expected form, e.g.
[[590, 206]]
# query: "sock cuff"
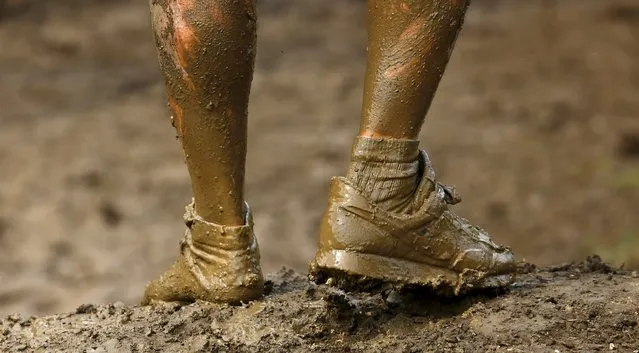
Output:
[[384, 150]]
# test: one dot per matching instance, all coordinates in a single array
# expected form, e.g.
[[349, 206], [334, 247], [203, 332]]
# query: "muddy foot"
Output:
[[430, 247], [216, 263]]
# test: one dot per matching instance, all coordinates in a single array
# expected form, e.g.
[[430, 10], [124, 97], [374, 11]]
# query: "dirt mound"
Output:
[[535, 123], [582, 307]]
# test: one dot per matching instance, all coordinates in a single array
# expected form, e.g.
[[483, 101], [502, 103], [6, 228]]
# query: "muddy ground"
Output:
[[535, 123], [585, 307]]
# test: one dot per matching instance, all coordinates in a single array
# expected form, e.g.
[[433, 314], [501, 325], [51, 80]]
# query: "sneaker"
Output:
[[217, 263], [429, 246]]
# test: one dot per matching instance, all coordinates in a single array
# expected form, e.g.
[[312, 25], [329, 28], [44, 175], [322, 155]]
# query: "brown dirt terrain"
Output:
[[585, 307], [535, 123]]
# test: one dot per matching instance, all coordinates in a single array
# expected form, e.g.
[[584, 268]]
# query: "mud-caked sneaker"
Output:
[[428, 245], [217, 263]]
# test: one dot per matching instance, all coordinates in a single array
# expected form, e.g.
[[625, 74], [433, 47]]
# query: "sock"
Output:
[[386, 171]]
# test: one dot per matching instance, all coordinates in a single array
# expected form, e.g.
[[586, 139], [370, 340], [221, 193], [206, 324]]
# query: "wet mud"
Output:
[[535, 123], [580, 307]]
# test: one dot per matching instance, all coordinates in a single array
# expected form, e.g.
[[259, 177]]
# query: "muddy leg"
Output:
[[389, 219], [206, 50], [410, 42]]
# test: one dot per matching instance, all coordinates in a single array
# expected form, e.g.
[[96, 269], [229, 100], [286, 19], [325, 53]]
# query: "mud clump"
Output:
[[580, 307], [529, 124]]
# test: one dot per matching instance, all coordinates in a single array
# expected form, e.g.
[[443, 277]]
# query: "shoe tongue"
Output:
[[424, 198], [427, 184]]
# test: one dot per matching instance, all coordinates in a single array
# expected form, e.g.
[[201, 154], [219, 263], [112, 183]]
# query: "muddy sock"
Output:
[[385, 170]]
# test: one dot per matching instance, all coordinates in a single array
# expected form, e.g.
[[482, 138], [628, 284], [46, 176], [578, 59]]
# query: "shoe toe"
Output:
[[503, 262], [477, 250], [176, 284]]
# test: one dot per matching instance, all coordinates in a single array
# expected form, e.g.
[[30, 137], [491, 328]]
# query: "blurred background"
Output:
[[536, 123]]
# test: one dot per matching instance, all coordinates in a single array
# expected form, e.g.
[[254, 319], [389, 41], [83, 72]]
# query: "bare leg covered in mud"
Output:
[[409, 44], [206, 51], [389, 219]]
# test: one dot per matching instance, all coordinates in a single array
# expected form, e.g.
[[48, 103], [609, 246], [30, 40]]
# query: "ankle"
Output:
[[385, 170], [230, 214], [384, 149]]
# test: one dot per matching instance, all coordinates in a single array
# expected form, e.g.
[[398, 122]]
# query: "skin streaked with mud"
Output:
[[206, 51], [409, 45], [585, 307]]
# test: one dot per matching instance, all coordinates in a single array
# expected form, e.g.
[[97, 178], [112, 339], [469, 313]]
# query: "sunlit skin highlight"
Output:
[[185, 38], [177, 116], [409, 47]]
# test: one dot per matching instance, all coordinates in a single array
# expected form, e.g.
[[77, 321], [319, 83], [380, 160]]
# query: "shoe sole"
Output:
[[403, 272]]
